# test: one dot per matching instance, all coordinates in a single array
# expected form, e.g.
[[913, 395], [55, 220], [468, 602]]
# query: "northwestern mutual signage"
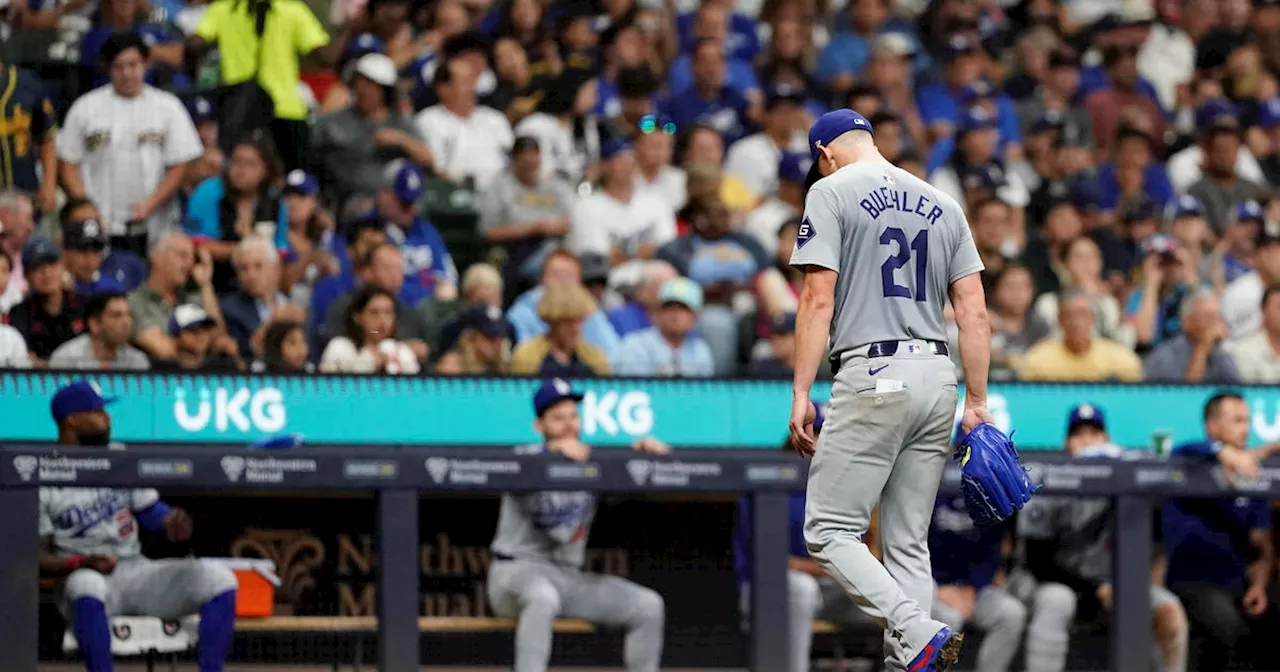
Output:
[[489, 411]]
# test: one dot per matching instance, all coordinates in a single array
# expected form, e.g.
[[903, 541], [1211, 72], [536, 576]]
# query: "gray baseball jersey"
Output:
[[897, 243], [94, 521], [551, 526]]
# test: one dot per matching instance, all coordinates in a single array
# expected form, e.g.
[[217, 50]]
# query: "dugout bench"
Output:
[[398, 475]]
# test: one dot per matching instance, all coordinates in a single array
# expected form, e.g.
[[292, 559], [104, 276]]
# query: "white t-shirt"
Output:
[[124, 146], [1242, 305], [766, 219], [476, 146], [1255, 359], [601, 223], [13, 349], [754, 161], [671, 185], [1184, 167], [561, 158], [342, 356], [1167, 59]]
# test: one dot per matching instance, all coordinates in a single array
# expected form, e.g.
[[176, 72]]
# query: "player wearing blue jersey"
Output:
[[89, 542]]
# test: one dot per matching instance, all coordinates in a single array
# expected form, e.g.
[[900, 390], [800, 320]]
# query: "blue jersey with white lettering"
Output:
[[897, 244], [427, 261]]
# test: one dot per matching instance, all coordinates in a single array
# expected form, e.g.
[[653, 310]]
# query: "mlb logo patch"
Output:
[[804, 234], [889, 179], [913, 348]]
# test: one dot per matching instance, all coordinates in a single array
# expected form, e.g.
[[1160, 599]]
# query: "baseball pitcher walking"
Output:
[[882, 250]]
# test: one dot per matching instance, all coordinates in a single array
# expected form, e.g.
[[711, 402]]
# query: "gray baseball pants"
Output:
[[887, 448], [536, 593], [168, 589], [1000, 616]]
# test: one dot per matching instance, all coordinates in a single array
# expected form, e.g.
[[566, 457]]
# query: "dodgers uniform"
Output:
[[897, 244], [80, 522], [964, 555], [536, 574]]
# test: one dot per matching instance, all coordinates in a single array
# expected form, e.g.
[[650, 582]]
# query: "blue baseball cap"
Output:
[[365, 43], [1217, 114], [1269, 115], [1086, 195], [783, 93], [980, 88], [37, 252], [299, 181], [80, 396], [833, 125], [977, 118], [201, 110], [1250, 211], [613, 147], [1185, 206], [551, 393], [829, 127], [976, 177], [683, 291], [1051, 120], [189, 316], [793, 166], [279, 441], [1086, 414], [405, 181]]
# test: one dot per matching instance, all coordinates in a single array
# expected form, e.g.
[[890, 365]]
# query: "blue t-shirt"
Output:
[[739, 75], [1207, 540], [1168, 323], [962, 555], [742, 536], [628, 318], [727, 112], [742, 42], [427, 261], [1155, 184], [203, 213], [849, 53], [938, 103]]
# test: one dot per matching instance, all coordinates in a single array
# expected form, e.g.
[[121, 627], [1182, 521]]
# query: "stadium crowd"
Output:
[[239, 188]]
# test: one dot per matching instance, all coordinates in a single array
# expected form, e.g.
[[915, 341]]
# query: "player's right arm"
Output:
[[817, 253]]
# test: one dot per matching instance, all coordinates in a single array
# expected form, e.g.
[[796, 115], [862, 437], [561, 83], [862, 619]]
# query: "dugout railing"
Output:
[[399, 475]]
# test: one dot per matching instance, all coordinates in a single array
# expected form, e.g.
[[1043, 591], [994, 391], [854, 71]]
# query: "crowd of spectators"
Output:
[[241, 188]]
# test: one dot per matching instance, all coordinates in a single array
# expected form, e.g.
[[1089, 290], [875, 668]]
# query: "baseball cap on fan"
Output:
[[80, 396], [405, 181], [377, 68], [551, 393], [829, 127]]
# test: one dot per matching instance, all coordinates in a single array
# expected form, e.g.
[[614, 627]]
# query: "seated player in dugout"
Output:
[[540, 545], [967, 569], [89, 544], [811, 594], [1065, 553]]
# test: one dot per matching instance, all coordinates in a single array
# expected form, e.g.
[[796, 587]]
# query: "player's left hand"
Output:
[[803, 413], [651, 445], [974, 416], [178, 525]]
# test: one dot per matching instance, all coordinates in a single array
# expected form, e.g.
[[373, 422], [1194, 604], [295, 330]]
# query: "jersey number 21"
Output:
[[919, 247]]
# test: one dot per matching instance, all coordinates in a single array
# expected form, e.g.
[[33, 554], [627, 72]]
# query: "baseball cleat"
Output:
[[940, 653]]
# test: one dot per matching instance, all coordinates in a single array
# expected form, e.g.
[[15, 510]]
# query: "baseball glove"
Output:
[[995, 483]]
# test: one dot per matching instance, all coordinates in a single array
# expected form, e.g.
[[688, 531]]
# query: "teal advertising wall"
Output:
[[468, 411]]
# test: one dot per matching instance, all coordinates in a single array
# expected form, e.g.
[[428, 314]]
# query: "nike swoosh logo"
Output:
[[928, 651], [878, 369]]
